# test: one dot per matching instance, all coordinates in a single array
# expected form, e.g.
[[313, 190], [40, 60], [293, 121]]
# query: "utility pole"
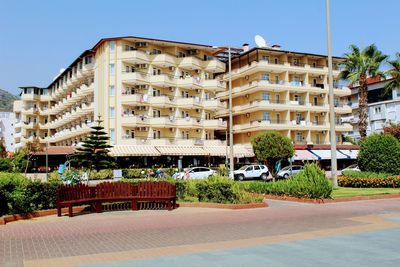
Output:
[[231, 162], [331, 100]]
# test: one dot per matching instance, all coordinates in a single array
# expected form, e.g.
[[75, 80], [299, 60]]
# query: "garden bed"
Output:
[[222, 206]]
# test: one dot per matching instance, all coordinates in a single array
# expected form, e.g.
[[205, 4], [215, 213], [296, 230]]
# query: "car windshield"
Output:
[[243, 168], [352, 166], [286, 168]]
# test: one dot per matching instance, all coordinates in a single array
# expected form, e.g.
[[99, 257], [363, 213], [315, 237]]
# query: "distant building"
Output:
[[7, 121], [382, 108]]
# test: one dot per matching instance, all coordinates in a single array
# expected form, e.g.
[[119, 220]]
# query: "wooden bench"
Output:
[[70, 195]]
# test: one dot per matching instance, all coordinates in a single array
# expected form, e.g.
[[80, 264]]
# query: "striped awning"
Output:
[[133, 150], [351, 154], [326, 154], [216, 150], [181, 150], [304, 155], [240, 151]]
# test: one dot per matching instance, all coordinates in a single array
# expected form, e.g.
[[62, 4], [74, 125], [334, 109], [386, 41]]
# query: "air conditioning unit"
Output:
[[172, 130], [198, 71], [322, 113], [198, 110], [171, 109], [141, 44], [198, 90], [198, 131], [171, 89], [321, 95], [172, 68]]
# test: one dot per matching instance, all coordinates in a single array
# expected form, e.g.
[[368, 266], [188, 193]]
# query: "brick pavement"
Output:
[[116, 235]]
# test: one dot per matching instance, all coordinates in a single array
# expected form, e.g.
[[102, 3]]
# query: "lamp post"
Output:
[[331, 100], [231, 160], [47, 158]]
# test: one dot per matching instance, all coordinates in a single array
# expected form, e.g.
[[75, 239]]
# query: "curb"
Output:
[[329, 200], [222, 206], [41, 213]]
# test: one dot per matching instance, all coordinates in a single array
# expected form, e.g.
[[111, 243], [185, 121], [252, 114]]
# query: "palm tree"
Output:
[[393, 72], [358, 66]]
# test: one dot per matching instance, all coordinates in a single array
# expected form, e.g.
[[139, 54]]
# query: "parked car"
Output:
[[195, 173], [287, 172], [353, 167], [251, 172]]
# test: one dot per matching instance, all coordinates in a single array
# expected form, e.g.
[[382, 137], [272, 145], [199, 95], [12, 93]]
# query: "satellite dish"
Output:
[[260, 41]]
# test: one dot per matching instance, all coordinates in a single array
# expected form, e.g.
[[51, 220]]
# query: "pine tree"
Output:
[[93, 153]]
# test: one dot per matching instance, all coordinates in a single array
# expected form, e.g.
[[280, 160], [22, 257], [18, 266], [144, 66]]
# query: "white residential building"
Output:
[[7, 121]]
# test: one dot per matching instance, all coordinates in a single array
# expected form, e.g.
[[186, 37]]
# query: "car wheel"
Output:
[[264, 176], [286, 176], [241, 177]]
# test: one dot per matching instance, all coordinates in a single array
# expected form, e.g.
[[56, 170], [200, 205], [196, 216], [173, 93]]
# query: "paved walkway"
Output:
[[362, 233]]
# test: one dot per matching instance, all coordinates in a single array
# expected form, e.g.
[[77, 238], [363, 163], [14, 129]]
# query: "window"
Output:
[[266, 116], [112, 69], [257, 168], [112, 135], [265, 77], [265, 58], [377, 110], [112, 90], [299, 137], [278, 118], [112, 112], [207, 135], [156, 71], [315, 101], [265, 96], [185, 134], [156, 113], [112, 46], [156, 134], [88, 60], [156, 92], [249, 169]]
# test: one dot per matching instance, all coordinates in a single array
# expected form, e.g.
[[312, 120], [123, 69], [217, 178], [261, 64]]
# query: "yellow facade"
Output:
[[162, 93]]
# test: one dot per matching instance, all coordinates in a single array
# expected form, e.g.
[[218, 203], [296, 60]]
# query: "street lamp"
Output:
[[231, 161], [47, 158], [331, 100]]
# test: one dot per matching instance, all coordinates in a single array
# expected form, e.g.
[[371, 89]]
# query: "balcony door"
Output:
[[156, 113], [266, 116]]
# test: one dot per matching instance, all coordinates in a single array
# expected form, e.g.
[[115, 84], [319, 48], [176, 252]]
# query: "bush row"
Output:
[[309, 183], [362, 182], [21, 195], [358, 174]]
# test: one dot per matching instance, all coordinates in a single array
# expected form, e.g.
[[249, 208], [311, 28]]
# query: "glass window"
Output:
[[88, 60], [249, 169], [265, 77], [265, 96], [112, 46], [112, 134], [256, 168], [112, 69], [112, 112], [266, 116], [112, 90]]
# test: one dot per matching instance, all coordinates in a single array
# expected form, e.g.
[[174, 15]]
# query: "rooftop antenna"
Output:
[[260, 41]]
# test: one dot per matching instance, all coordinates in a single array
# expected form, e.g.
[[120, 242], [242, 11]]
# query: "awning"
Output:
[[304, 155], [352, 154], [240, 151], [133, 150], [57, 150], [216, 150], [181, 150], [326, 154]]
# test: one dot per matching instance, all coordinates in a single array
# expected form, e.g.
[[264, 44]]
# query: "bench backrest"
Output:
[[156, 189], [117, 189], [75, 192]]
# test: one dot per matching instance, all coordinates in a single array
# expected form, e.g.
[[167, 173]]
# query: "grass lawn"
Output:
[[342, 192]]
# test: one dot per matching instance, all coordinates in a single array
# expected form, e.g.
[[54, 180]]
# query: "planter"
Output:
[[222, 206]]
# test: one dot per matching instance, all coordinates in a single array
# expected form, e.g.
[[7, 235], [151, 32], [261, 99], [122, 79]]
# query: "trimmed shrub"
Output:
[[311, 182], [12, 194], [134, 173], [380, 153], [101, 174], [357, 174], [362, 182]]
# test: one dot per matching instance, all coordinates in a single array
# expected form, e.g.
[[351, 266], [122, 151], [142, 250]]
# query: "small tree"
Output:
[[380, 153], [93, 153], [393, 129], [270, 147], [30, 150]]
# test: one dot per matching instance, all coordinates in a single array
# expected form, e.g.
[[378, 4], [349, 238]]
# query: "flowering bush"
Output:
[[389, 182]]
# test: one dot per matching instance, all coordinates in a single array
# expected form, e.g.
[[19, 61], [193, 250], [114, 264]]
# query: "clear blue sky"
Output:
[[40, 37]]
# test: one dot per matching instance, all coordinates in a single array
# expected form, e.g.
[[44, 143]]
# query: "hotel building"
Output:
[[165, 98]]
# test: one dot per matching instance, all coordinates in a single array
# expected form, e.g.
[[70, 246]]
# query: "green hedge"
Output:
[[358, 174], [309, 183], [21, 195], [361, 182]]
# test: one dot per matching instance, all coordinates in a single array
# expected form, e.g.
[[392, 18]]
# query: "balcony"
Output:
[[218, 124], [162, 80], [30, 97], [164, 60], [190, 63], [214, 66], [213, 104], [18, 124], [134, 77], [342, 108], [133, 99], [161, 101], [188, 122], [189, 83], [214, 85], [135, 120], [135, 57], [189, 102], [87, 69], [163, 121]]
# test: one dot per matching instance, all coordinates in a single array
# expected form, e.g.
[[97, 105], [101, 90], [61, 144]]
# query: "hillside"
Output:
[[6, 100]]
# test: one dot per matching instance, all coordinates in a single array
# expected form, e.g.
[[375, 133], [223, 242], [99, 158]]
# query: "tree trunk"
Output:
[[271, 168], [363, 107]]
